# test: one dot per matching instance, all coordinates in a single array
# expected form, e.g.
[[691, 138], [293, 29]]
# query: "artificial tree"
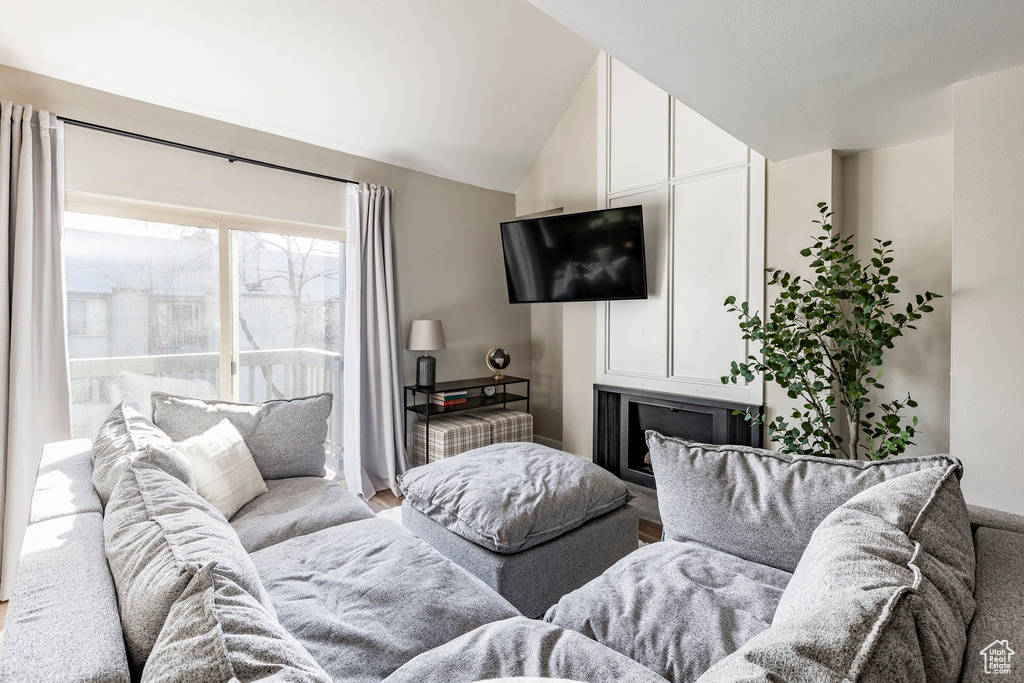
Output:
[[822, 341]]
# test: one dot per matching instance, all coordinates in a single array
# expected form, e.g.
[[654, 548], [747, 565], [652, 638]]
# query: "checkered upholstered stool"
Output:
[[448, 436], [508, 425]]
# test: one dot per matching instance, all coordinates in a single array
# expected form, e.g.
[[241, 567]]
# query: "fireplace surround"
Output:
[[622, 415]]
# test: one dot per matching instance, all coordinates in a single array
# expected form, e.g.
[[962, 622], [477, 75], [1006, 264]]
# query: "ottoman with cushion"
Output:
[[508, 425], [448, 436], [532, 522]]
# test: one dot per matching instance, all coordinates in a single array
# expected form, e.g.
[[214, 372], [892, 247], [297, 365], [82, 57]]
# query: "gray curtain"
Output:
[[35, 404], [374, 422]]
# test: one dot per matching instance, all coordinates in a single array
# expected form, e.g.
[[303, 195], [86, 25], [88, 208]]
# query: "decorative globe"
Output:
[[497, 360]]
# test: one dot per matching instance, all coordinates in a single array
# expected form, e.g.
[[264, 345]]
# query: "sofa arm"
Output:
[[995, 519], [998, 623]]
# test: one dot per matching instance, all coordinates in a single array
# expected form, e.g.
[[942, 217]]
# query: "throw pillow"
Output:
[[286, 437], [756, 504], [225, 472], [157, 533], [218, 632], [123, 437], [883, 592], [512, 496]]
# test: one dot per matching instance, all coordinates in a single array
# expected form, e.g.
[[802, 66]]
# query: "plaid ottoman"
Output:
[[508, 425], [448, 436]]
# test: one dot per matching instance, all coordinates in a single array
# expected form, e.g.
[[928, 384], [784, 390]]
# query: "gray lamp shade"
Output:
[[425, 335]]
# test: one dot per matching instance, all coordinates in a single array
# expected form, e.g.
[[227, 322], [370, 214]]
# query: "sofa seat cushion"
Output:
[[998, 622], [294, 507], [286, 437], [519, 647], [158, 533], [366, 597], [218, 632], [675, 607], [882, 593], [125, 437], [509, 497], [760, 505]]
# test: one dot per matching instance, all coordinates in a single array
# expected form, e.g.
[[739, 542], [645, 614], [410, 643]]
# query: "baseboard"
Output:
[[550, 443]]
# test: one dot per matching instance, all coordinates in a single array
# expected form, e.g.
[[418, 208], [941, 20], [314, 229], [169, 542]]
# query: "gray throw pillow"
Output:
[[286, 437], [759, 505], [512, 496], [125, 436], [218, 632], [157, 533], [883, 592]]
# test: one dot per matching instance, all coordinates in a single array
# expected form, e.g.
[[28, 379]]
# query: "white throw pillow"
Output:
[[225, 472]]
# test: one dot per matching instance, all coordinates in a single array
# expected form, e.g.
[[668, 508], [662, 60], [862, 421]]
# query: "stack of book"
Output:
[[447, 399]]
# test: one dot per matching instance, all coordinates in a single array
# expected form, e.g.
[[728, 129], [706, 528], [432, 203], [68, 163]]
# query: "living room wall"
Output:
[[446, 232], [901, 193]]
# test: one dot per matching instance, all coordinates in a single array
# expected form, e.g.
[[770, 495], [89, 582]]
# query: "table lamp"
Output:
[[425, 335]]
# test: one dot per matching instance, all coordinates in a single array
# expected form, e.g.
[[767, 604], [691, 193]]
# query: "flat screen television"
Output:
[[590, 256]]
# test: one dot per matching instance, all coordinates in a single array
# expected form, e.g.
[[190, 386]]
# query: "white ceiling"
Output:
[[790, 77], [463, 89]]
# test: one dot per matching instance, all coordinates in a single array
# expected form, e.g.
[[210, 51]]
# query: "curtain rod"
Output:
[[232, 158]]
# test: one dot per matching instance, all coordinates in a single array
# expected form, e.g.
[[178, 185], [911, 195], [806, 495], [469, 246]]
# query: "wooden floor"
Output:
[[650, 532]]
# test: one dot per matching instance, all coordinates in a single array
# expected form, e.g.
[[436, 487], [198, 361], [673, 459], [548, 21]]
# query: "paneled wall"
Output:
[[703, 195]]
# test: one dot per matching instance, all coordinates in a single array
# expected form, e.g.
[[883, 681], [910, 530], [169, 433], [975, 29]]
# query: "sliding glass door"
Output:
[[198, 308]]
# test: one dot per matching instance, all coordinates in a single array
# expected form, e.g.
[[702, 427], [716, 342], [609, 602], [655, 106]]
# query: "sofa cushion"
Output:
[[158, 532], [123, 438], [999, 620], [376, 588], [218, 632], [286, 437], [509, 497], [63, 485], [883, 592], [759, 505], [294, 507], [62, 624], [521, 647], [675, 607], [225, 473]]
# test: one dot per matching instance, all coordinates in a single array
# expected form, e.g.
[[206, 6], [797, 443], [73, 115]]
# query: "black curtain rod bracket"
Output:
[[231, 158]]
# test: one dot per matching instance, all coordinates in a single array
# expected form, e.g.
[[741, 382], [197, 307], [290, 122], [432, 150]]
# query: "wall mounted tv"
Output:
[[591, 256]]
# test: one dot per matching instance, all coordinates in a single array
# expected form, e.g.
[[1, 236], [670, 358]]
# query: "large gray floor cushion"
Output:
[[675, 607], [218, 632], [294, 507], [366, 597], [509, 497], [882, 593], [535, 578], [760, 505], [522, 647], [158, 533], [286, 437]]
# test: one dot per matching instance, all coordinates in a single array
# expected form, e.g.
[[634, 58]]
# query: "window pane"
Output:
[[290, 299], [142, 313]]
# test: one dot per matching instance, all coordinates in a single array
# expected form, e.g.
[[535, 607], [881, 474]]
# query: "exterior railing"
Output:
[[98, 384]]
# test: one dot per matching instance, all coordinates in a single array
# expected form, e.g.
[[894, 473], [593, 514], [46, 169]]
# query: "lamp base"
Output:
[[425, 366]]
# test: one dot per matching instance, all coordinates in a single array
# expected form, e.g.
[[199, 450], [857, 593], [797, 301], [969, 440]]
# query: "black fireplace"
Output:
[[622, 416]]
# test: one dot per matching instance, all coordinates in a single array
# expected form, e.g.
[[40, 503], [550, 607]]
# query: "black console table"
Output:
[[502, 397]]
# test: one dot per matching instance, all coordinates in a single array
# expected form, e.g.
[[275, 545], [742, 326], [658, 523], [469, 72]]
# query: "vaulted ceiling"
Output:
[[463, 89], [790, 77]]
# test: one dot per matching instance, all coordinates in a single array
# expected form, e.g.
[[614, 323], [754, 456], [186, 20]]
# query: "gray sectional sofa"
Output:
[[769, 571]]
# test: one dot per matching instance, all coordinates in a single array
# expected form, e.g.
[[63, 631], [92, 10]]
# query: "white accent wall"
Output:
[[703, 198], [988, 288]]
